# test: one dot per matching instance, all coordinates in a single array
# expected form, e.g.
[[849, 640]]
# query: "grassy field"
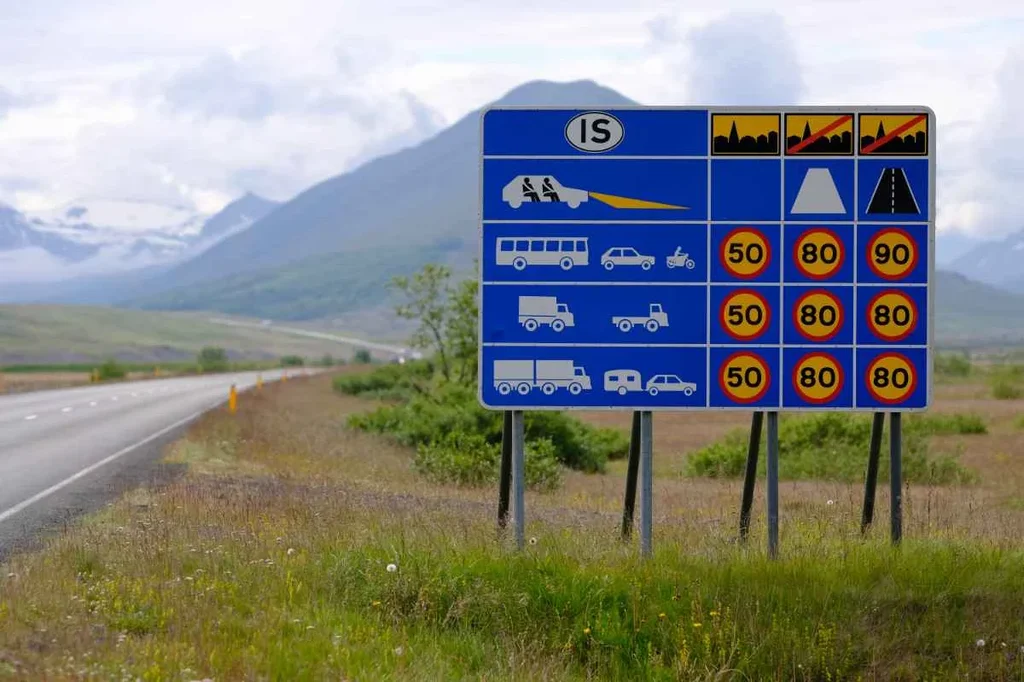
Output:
[[296, 549], [45, 334]]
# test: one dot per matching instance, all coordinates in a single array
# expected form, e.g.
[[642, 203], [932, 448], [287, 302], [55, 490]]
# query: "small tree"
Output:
[[213, 359], [447, 318], [327, 360], [292, 361], [362, 357], [111, 370]]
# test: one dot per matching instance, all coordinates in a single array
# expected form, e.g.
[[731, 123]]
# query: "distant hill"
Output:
[[970, 313], [404, 204], [997, 262], [50, 334]]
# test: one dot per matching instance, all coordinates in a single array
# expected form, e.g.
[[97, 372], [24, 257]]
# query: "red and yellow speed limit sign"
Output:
[[892, 253], [745, 252], [891, 378], [818, 253], [818, 315], [744, 377], [892, 315], [818, 378], [744, 315]]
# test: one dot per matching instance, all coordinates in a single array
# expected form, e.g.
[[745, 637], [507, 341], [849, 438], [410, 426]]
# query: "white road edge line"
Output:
[[8, 513]]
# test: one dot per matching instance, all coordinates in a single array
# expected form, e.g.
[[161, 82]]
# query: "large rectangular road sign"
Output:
[[654, 258]]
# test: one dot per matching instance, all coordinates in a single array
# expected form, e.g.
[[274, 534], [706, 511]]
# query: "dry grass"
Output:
[[267, 562]]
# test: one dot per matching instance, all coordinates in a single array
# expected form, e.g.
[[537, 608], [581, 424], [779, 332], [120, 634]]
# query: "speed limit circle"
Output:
[[892, 253], [745, 252], [818, 315], [818, 253], [891, 378], [892, 315], [744, 314], [818, 378], [744, 377]]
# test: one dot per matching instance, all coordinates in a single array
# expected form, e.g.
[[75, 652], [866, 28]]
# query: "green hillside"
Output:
[[48, 334], [970, 313]]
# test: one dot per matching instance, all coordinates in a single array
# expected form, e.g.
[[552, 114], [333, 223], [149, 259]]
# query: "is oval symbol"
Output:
[[594, 131]]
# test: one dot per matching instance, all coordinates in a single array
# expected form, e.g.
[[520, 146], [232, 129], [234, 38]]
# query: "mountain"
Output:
[[401, 202], [91, 252], [970, 313], [995, 262]]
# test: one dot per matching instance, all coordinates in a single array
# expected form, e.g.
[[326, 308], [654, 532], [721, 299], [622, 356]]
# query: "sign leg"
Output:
[[773, 485], [629, 502], [750, 476], [646, 481], [896, 475], [505, 478], [519, 478], [871, 482]]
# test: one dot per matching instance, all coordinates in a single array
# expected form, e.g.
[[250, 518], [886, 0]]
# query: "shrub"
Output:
[[469, 459], [948, 424], [362, 357], [952, 365], [111, 370], [834, 446], [292, 361], [387, 381], [213, 359], [329, 360], [1004, 389], [451, 408]]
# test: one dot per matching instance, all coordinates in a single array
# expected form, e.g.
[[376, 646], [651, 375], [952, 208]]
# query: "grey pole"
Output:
[[896, 475], [871, 482], [773, 485], [629, 501], [505, 477], [646, 481], [519, 478], [750, 477]]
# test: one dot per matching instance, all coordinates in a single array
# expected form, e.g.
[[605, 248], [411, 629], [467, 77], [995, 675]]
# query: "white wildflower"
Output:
[[533, 541], [291, 551], [980, 643], [830, 502], [392, 568]]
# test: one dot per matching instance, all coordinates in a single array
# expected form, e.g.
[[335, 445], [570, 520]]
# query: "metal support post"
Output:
[[646, 481], [629, 502], [871, 482], [519, 477], [505, 478], [773, 485], [750, 476]]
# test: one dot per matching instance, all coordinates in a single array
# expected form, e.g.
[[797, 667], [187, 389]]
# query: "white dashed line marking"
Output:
[[31, 417], [67, 409], [92, 404], [135, 395], [114, 398]]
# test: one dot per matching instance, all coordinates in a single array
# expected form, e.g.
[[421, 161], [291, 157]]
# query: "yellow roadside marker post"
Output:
[[284, 375], [233, 400], [259, 382]]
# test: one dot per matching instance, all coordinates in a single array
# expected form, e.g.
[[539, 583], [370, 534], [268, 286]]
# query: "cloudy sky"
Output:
[[193, 102]]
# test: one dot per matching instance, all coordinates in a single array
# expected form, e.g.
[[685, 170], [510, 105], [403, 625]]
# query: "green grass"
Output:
[[833, 446], [61, 336]]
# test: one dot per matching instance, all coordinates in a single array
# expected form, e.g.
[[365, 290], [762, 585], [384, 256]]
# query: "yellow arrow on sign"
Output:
[[626, 202]]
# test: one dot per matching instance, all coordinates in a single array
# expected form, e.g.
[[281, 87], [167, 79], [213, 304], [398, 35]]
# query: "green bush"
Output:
[[947, 424], [292, 361], [469, 459], [111, 370], [362, 357], [952, 365], [213, 359], [329, 360], [387, 381], [450, 408], [834, 446], [1005, 389]]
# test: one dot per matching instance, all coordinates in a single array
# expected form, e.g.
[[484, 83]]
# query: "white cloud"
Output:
[[196, 101]]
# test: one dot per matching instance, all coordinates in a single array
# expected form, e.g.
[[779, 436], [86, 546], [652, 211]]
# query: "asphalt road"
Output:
[[69, 451]]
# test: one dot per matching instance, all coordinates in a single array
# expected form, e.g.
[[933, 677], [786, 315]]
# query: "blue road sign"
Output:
[[689, 258]]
